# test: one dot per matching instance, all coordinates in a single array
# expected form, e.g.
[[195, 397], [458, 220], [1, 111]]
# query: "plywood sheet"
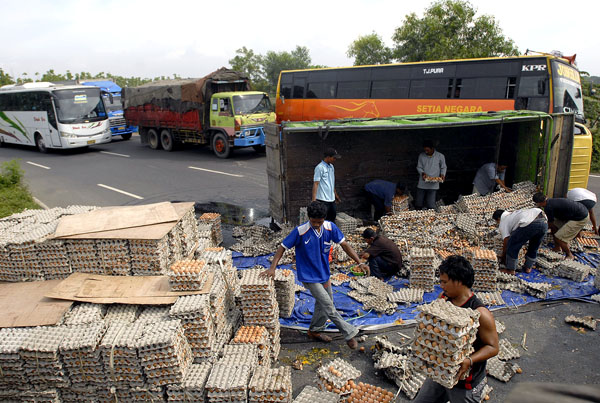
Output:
[[25, 304], [99, 289]]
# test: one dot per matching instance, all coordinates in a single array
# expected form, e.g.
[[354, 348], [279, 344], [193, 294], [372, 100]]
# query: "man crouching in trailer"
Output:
[[456, 278], [313, 241]]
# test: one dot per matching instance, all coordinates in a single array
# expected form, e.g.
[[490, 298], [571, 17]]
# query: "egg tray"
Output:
[[503, 371], [400, 204], [338, 372], [378, 303], [379, 287], [192, 387], [285, 292], [193, 307], [228, 383], [11, 365], [154, 313], [270, 385], [40, 356], [84, 313], [366, 393], [453, 320], [118, 350], [339, 279], [310, 394], [121, 313], [491, 298], [507, 351], [246, 354], [40, 396], [587, 321], [252, 282], [572, 270], [187, 275], [406, 295]]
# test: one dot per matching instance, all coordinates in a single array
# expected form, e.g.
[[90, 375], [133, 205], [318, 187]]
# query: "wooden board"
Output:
[[138, 290], [25, 304]]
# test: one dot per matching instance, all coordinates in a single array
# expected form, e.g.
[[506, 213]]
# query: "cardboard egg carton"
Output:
[[423, 266], [363, 392], [80, 355], [572, 270], [187, 275], [270, 385], [118, 351], [214, 220], [346, 223], [149, 257], [310, 394], [406, 295], [379, 303], [11, 365], [491, 298], [503, 371], [41, 357], [285, 292], [153, 313], [84, 313], [228, 383], [587, 321], [339, 279], [507, 351], [337, 373], [192, 387], [246, 354], [400, 204], [121, 313], [378, 287]]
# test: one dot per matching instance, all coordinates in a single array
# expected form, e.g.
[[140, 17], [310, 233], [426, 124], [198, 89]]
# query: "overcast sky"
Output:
[[192, 38]]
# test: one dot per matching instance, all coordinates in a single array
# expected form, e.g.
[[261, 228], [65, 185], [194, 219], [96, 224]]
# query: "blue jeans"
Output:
[[381, 268], [324, 309], [532, 233], [427, 196]]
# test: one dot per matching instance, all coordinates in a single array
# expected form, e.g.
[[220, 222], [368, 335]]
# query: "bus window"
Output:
[[436, 88], [299, 84], [321, 90], [392, 89], [511, 84], [353, 89], [532, 86], [481, 88], [286, 86]]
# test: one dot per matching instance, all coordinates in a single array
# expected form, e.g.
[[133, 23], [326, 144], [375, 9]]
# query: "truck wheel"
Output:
[[153, 139], [39, 142], [166, 140], [221, 146], [126, 136]]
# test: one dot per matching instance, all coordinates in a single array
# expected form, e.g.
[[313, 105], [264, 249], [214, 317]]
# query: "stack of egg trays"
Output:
[[443, 338], [175, 245], [221, 302], [491, 298], [326, 376], [262, 342], [406, 295], [81, 357], [271, 385], [41, 359], [49, 395], [83, 256], [6, 266], [379, 287], [164, 352], [192, 387], [53, 258], [228, 383], [379, 303], [118, 350], [114, 256], [189, 231], [573, 270], [121, 313], [400, 204], [259, 303], [214, 220], [154, 313], [423, 266], [11, 365], [148, 394], [25, 262], [506, 351], [284, 289], [149, 257], [220, 262], [485, 265], [346, 223], [310, 394], [196, 317], [244, 354], [188, 275], [84, 313], [503, 371]]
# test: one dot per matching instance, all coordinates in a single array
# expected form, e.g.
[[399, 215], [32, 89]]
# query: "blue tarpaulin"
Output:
[[352, 310]]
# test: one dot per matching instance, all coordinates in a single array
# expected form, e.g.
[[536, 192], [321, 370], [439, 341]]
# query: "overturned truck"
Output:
[[537, 147]]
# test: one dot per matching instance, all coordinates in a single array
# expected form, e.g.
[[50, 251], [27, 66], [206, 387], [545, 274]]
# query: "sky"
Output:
[[193, 38]]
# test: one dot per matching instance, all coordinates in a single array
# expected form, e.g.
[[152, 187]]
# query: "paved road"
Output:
[[100, 175]]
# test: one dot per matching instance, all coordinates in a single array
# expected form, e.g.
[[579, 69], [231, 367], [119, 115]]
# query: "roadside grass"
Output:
[[14, 195]]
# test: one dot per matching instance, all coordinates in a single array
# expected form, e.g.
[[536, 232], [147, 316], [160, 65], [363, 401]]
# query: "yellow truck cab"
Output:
[[582, 157]]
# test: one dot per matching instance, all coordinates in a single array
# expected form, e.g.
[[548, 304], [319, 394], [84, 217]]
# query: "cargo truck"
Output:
[[537, 147], [218, 110], [111, 95]]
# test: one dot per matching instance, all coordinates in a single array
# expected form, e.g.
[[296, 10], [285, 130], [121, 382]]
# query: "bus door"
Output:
[[52, 123]]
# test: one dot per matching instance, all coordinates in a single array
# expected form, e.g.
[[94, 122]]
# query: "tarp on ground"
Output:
[[352, 310]]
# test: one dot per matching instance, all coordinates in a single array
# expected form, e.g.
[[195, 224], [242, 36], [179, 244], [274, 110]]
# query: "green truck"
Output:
[[218, 110]]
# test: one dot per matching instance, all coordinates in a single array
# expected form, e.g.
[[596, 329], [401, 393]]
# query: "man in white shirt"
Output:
[[517, 228], [588, 199]]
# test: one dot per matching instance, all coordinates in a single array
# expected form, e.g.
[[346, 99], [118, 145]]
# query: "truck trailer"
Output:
[[218, 110], [537, 147]]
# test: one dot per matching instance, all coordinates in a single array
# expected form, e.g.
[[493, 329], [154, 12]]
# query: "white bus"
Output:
[[48, 115]]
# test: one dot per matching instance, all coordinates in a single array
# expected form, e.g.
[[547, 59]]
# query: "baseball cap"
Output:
[[331, 152]]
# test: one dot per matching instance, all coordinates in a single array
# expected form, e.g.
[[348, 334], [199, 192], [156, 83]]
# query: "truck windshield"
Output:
[[113, 106], [567, 90], [252, 103], [79, 105]]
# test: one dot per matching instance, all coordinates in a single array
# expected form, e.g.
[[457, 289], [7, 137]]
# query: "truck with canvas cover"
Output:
[[536, 146], [111, 95], [219, 110]]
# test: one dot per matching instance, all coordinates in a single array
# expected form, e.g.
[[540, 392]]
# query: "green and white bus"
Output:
[[48, 115]]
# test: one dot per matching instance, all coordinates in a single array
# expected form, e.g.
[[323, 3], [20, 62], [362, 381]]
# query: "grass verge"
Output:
[[14, 195]]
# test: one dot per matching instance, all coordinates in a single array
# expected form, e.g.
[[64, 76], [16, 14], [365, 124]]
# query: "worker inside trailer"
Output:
[[381, 193], [489, 177]]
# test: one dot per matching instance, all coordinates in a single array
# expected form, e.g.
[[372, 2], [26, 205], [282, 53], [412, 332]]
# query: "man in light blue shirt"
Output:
[[488, 176], [431, 166], [324, 183], [312, 241]]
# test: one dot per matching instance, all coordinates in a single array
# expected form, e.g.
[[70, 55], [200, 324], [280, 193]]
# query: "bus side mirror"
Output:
[[541, 87]]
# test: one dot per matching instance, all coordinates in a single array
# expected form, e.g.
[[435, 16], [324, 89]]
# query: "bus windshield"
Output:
[[252, 103], [113, 106], [79, 105], [567, 90]]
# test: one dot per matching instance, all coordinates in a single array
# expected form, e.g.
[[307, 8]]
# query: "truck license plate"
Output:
[[91, 141], [121, 128]]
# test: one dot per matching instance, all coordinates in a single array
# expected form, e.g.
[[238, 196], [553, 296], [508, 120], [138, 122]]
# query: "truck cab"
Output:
[[237, 120]]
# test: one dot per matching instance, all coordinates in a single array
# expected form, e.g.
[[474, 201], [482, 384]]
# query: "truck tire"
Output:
[[220, 145], [153, 139], [39, 143], [166, 140], [126, 136]]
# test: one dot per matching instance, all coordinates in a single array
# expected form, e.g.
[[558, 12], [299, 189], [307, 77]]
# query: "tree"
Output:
[[5, 78], [274, 62], [449, 30], [369, 49]]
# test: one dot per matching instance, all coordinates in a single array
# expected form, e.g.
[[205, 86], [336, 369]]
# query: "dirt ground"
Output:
[[556, 351]]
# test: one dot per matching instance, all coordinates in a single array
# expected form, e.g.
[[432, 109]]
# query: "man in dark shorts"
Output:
[[384, 257], [588, 199], [456, 279]]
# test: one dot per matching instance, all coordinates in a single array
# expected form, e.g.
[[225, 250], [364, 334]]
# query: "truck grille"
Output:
[[117, 122]]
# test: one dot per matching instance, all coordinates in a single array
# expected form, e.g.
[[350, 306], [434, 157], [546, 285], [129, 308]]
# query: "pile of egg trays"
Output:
[[491, 298], [11, 366], [589, 243], [25, 262], [345, 223], [310, 394], [114, 256], [443, 338], [84, 313], [406, 295], [485, 266], [271, 385], [397, 366], [121, 313], [196, 318], [587, 321], [220, 262], [400, 204], [164, 352], [379, 303], [503, 371], [366, 393], [53, 258], [40, 355], [118, 350], [328, 379], [175, 251], [379, 287], [285, 292], [259, 302], [423, 266], [260, 338], [81, 358], [506, 351], [189, 231], [192, 387], [243, 354], [228, 383], [572, 269], [149, 257], [83, 256], [214, 220], [187, 275]]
